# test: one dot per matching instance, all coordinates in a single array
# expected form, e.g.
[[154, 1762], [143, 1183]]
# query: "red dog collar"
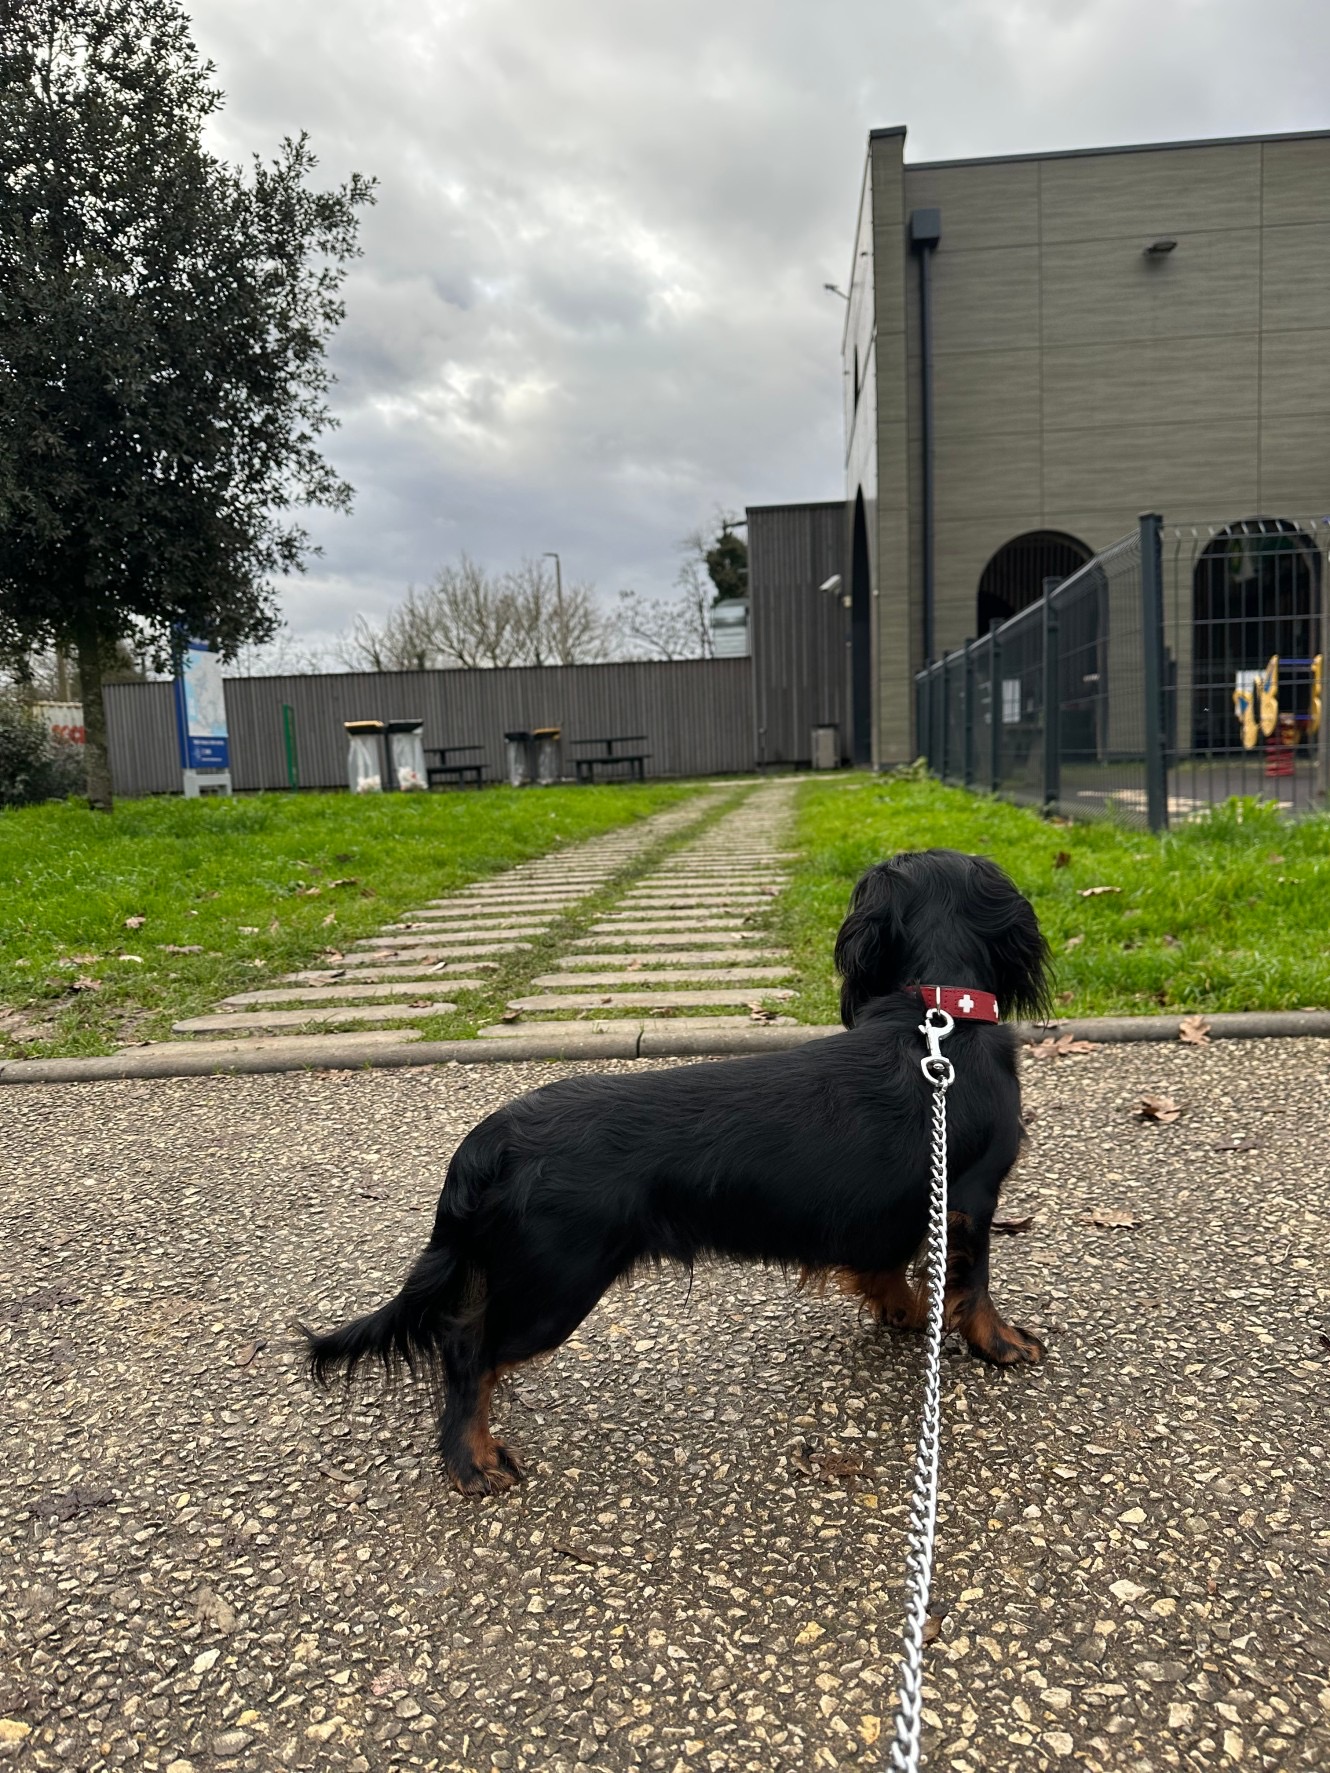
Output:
[[960, 1002]]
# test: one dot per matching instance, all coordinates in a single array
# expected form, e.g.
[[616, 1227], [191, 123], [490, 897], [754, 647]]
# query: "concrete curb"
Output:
[[659, 1042]]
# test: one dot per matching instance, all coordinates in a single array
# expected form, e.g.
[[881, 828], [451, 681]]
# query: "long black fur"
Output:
[[815, 1158]]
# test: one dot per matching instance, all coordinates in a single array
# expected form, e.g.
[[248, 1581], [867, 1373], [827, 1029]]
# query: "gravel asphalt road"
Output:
[[205, 1565]]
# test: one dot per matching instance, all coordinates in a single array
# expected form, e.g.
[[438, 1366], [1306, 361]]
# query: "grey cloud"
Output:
[[590, 307]]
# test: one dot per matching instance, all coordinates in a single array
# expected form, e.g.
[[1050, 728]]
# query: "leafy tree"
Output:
[[727, 562], [163, 318]]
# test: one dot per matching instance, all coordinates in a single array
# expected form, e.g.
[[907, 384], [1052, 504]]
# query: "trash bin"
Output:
[[364, 756], [519, 758], [548, 761], [406, 755], [826, 747]]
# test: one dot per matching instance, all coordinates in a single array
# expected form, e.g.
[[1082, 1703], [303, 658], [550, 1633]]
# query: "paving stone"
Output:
[[366, 975], [293, 1044], [394, 944], [457, 955], [666, 976], [625, 923], [646, 1000], [665, 938], [351, 993], [521, 911], [299, 1018], [670, 957]]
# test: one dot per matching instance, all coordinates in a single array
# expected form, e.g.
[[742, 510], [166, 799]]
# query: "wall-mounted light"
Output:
[[831, 584], [1160, 249]]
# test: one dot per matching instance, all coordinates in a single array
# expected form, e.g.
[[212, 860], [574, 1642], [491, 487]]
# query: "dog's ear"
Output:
[[870, 945], [1019, 954]]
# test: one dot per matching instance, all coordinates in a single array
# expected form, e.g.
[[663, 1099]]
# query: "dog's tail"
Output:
[[408, 1332]]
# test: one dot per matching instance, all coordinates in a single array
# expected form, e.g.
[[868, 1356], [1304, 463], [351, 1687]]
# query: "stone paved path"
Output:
[[676, 940], [435, 955]]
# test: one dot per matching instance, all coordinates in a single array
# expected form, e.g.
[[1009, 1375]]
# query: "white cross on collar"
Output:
[[965, 1004]]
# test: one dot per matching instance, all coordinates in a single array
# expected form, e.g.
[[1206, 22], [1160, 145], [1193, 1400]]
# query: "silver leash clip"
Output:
[[935, 1028]]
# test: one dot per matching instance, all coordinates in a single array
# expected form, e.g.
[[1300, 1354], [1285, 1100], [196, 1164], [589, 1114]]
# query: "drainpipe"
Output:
[[925, 232]]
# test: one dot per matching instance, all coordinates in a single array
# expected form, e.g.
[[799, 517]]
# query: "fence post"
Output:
[[944, 748], [1052, 710], [968, 681], [1152, 641], [995, 710], [925, 735]]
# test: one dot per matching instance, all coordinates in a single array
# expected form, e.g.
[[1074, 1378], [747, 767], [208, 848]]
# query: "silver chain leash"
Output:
[[940, 1072]]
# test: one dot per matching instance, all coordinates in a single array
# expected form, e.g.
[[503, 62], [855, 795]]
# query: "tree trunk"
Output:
[[90, 655]]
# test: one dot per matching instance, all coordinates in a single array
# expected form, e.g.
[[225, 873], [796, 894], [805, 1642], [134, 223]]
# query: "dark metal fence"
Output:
[[1179, 667], [697, 715]]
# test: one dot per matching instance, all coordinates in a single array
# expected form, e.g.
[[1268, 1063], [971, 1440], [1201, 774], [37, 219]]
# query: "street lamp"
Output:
[[558, 579]]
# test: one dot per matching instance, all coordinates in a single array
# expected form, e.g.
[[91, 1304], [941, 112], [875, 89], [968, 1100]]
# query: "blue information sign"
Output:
[[200, 709]]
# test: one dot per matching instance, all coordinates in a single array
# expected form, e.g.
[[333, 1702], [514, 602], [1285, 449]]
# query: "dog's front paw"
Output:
[[501, 1471], [1006, 1345]]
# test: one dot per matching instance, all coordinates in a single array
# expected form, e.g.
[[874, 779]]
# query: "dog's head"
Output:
[[938, 917]]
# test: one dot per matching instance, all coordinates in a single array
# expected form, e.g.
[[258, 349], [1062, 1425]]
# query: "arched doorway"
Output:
[[1256, 595], [861, 641], [1014, 577]]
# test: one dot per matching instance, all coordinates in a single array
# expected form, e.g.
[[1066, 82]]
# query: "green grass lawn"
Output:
[[1229, 912], [111, 928]]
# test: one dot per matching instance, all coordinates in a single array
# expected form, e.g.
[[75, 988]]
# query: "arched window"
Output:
[[1014, 577], [1256, 595]]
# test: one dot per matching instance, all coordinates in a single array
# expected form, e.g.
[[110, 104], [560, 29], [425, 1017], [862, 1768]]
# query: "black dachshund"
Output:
[[815, 1158]]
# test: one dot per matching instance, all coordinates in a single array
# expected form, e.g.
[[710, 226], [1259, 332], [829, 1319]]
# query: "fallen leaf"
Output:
[[758, 1012], [1011, 1227], [1097, 892], [181, 947], [346, 880], [1160, 1108], [1275, 861], [67, 1505], [511, 1016], [135, 923], [1112, 1219], [246, 1353], [333, 954], [633, 966], [1073, 942], [308, 892], [1170, 942], [572, 1551], [932, 1628], [1062, 859], [273, 927], [1066, 997], [1060, 1046], [77, 960], [84, 983], [136, 958], [247, 929], [1194, 1031], [331, 918]]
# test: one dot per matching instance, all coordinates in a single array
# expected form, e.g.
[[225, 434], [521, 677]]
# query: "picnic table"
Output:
[[458, 774], [609, 759]]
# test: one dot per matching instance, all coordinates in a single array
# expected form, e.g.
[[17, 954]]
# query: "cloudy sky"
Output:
[[590, 309]]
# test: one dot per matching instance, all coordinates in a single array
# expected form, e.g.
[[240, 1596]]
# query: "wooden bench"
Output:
[[453, 775], [609, 759]]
